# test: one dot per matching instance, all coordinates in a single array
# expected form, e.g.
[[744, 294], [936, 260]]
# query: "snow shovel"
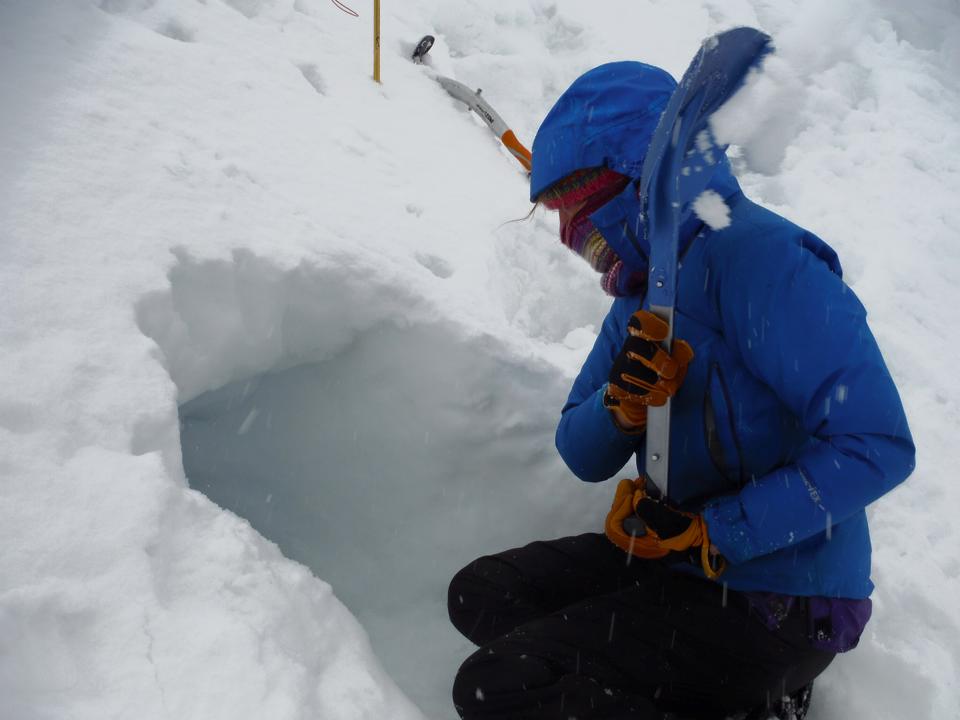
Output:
[[682, 141]]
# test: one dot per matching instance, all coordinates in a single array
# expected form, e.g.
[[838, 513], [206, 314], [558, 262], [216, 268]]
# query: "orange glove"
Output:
[[651, 529], [643, 373]]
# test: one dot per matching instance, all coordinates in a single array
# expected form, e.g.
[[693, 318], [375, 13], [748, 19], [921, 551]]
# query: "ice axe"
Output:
[[474, 100]]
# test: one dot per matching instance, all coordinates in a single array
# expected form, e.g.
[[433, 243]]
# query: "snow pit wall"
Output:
[[372, 440]]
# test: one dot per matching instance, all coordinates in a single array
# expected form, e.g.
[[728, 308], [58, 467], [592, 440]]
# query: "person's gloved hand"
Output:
[[643, 373], [653, 529]]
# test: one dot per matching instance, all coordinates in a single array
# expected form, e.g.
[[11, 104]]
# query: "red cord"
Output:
[[348, 11]]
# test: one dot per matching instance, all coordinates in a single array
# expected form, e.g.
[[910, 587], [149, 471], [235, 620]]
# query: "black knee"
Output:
[[518, 676], [457, 595], [487, 599], [501, 679]]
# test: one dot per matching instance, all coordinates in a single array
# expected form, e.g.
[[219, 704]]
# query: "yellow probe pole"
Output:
[[376, 40]]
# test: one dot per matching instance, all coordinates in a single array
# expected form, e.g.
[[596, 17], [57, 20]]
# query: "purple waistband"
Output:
[[835, 624]]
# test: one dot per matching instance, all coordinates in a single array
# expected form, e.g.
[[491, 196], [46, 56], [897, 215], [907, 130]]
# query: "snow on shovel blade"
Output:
[[669, 183]]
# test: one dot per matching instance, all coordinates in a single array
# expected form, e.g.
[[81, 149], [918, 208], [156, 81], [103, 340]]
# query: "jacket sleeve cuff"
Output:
[[618, 435], [590, 443], [729, 531]]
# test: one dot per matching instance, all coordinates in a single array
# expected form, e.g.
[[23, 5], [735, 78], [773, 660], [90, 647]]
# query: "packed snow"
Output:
[[710, 207], [282, 353]]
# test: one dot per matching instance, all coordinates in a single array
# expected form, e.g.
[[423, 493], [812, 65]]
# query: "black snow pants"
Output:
[[570, 629]]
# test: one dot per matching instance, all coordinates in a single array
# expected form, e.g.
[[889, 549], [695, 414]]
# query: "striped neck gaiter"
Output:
[[594, 187]]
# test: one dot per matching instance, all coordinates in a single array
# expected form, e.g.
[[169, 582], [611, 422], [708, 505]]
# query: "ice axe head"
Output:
[[423, 47]]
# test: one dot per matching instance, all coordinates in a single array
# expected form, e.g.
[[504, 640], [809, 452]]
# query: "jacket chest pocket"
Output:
[[719, 428]]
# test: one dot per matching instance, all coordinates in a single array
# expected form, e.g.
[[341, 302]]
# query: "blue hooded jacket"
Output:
[[788, 423]]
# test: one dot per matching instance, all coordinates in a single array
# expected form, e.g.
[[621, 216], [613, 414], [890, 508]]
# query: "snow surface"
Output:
[[209, 213]]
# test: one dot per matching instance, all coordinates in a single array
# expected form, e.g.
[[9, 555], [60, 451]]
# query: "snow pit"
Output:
[[383, 451]]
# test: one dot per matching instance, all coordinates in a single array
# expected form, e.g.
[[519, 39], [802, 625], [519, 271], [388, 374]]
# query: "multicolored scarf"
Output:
[[594, 187]]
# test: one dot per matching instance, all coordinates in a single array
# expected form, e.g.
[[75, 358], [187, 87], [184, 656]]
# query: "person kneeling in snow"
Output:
[[730, 595]]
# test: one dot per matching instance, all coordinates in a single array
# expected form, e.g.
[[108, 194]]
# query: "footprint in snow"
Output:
[[176, 30], [435, 264], [312, 75]]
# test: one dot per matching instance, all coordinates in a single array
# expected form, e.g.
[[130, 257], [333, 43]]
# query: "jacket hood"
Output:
[[605, 118]]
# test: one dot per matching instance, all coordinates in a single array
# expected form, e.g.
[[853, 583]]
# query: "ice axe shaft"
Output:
[[474, 100]]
